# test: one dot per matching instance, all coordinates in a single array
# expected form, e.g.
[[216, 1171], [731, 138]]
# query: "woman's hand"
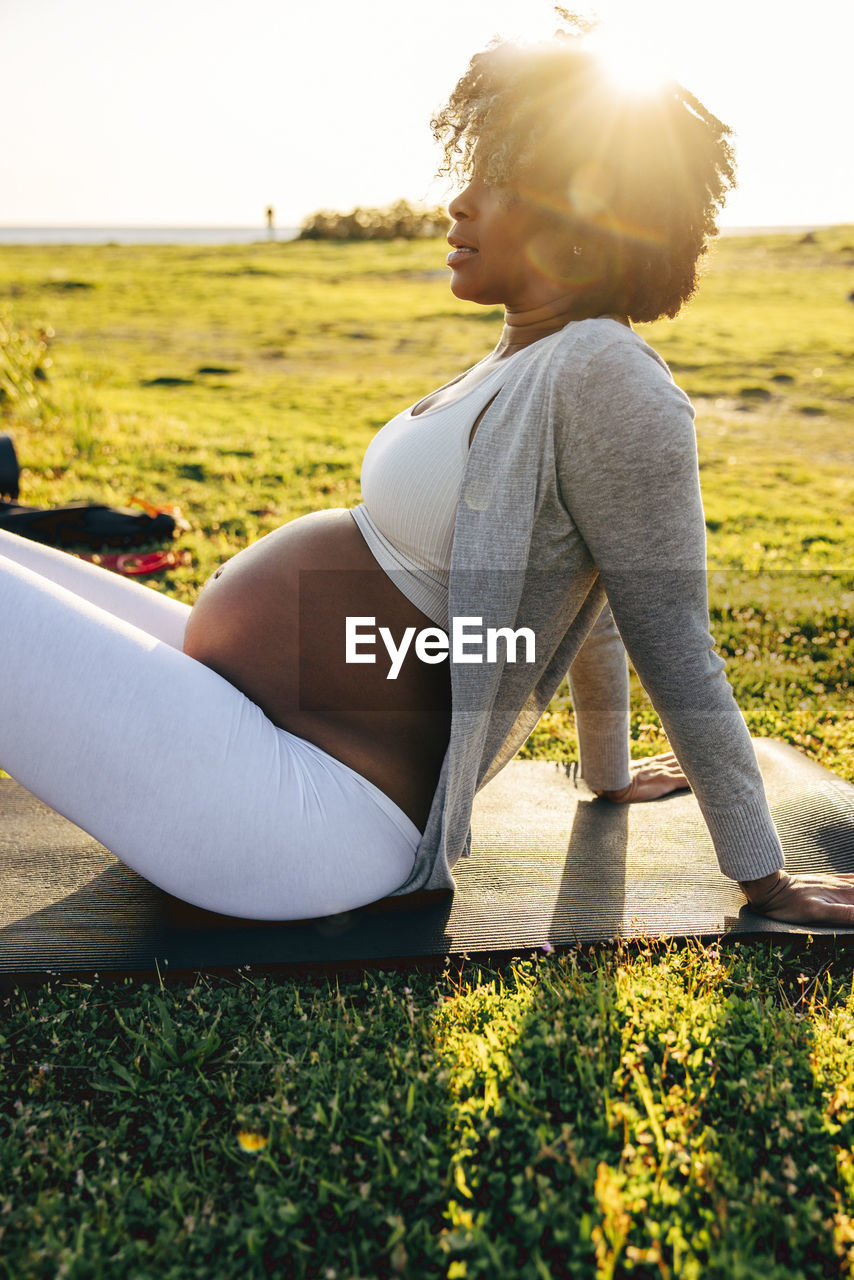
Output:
[[803, 899], [651, 778]]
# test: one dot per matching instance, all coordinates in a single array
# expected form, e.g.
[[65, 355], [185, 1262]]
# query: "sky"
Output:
[[203, 112]]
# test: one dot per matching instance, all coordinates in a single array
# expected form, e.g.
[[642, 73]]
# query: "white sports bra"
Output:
[[411, 476]]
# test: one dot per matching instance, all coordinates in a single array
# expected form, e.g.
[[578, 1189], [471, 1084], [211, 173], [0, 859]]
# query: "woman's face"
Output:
[[504, 249]]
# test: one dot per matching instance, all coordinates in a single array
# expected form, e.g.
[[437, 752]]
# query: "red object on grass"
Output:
[[134, 566]]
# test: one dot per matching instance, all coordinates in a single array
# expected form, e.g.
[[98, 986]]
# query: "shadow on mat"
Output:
[[592, 893]]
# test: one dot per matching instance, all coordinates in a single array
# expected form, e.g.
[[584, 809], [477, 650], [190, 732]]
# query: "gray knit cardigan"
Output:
[[581, 491]]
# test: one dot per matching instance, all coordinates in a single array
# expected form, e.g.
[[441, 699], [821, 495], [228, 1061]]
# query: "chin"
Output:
[[470, 293]]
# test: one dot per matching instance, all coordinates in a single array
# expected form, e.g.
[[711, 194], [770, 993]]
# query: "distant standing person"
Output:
[[270, 215]]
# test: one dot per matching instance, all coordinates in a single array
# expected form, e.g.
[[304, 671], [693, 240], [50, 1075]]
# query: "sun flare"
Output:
[[633, 62]]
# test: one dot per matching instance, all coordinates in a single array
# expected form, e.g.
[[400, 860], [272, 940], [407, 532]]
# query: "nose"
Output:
[[461, 205]]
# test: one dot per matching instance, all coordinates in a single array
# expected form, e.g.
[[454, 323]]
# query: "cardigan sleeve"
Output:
[[628, 475], [599, 688]]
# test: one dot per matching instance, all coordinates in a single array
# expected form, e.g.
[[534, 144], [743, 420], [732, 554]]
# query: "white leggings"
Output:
[[105, 719]]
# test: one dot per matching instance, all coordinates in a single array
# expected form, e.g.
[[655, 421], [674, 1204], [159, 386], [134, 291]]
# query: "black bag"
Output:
[[9, 470], [85, 524], [78, 523]]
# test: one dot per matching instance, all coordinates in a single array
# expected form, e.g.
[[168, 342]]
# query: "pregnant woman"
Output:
[[310, 737]]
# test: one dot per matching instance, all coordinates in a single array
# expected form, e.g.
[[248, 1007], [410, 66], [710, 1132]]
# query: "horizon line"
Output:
[[142, 226], [251, 226]]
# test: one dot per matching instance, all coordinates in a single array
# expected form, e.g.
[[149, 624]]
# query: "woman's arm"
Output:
[[629, 477], [599, 688]]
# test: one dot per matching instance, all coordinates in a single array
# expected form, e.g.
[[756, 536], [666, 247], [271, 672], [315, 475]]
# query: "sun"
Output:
[[634, 63]]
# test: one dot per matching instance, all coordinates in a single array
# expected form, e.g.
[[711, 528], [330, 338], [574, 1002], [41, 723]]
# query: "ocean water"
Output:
[[144, 235], [231, 235]]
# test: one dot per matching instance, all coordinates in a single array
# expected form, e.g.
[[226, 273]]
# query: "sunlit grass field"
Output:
[[652, 1112]]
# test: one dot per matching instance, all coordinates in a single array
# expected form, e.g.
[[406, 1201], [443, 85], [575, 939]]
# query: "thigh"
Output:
[[178, 773], [159, 615]]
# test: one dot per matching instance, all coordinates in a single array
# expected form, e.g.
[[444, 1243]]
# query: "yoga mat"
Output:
[[550, 865]]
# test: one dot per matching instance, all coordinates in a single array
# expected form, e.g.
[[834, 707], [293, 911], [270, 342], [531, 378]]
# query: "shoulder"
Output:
[[601, 363], [588, 345]]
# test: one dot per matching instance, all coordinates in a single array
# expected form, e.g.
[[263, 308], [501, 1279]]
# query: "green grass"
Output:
[[652, 1112], [648, 1112]]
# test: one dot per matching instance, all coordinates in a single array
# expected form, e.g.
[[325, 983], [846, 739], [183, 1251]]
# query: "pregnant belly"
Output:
[[272, 621]]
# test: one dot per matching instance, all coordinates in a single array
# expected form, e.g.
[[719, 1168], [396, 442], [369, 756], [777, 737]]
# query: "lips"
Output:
[[460, 252]]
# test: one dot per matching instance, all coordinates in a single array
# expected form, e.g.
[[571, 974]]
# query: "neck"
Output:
[[521, 328]]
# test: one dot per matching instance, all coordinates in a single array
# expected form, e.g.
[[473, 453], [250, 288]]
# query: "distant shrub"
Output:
[[24, 362], [398, 221]]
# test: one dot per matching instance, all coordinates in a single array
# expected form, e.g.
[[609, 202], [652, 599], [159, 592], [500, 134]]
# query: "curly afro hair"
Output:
[[635, 180]]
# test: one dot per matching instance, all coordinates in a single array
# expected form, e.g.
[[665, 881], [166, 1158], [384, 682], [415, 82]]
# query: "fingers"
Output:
[[663, 760], [665, 765], [816, 912], [651, 778], [655, 788], [656, 776]]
